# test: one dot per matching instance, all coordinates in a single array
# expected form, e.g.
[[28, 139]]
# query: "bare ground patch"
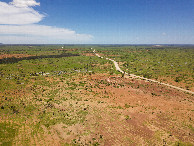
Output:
[[2, 56], [105, 109]]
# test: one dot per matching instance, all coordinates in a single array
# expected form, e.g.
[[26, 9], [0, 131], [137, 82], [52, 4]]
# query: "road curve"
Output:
[[139, 77]]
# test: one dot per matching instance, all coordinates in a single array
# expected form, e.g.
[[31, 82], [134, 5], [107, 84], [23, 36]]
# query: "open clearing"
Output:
[[2, 56]]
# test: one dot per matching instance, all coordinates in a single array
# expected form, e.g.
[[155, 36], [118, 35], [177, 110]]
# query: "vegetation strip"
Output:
[[135, 76]]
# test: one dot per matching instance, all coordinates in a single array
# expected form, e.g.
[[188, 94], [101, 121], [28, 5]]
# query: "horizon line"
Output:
[[95, 44]]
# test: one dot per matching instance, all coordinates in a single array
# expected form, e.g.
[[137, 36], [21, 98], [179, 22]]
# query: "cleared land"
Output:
[[81, 99]]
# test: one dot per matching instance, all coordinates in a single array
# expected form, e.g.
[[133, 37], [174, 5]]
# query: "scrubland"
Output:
[[51, 95]]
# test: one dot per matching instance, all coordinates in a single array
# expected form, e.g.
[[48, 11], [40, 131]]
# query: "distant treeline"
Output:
[[15, 60]]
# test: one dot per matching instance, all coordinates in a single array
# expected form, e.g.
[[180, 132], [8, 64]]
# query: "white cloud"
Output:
[[24, 3], [42, 34], [164, 34], [10, 14], [22, 28]]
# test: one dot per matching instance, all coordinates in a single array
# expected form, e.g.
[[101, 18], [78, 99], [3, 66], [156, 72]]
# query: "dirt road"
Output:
[[139, 77]]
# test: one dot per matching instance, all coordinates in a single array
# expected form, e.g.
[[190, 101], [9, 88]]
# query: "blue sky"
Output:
[[97, 21]]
